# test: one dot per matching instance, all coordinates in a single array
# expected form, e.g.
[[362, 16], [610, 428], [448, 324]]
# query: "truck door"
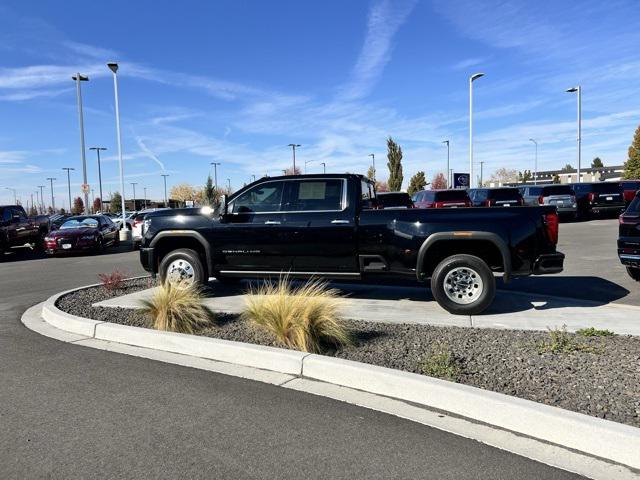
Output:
[[22, 226], [323, 224]]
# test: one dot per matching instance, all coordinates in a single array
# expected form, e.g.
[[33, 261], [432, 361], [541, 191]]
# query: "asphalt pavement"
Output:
[[72, 412]]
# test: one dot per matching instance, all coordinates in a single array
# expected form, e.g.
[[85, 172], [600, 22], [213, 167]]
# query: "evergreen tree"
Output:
[[632, 165], [417, 183], [115, 206], [209, 192], [556, 178], [567, 168], [394, 155], [78, 206], [525, 176], [597, 163]]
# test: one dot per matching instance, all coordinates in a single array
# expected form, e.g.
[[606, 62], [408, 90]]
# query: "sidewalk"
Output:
[[394, 304]]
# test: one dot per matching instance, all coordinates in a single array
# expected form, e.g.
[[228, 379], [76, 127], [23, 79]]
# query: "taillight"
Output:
[[627, 220], [541, 200], [488, 203], [592, 196], [438, 205], [551, 224]]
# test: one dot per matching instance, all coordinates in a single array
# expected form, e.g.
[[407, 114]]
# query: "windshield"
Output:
[[505, 194], [606, 187], [395, 199], [80, 223], [557, 190], [448, 195]]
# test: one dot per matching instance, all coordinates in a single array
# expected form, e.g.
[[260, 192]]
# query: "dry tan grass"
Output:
[[177, 308], [305, 318]]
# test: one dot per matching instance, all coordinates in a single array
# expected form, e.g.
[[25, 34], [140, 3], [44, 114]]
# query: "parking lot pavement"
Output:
[[592, 270]]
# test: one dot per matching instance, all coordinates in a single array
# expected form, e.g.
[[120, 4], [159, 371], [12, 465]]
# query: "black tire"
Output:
[[188, 257], [634, 273], [99, 246], [475, 268]]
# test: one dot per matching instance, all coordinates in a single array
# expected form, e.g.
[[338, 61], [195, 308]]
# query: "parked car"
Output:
[[495, 197], [561, 196], [629, 189], [56, 220], [137, 225], [82, 233], [327, 226], [394, 200], [629, 238], [18, 230], [452, 198], [117, 219], [598, 198]]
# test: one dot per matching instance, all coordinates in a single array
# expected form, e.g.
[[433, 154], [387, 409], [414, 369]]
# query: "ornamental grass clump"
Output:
[[304, 318], [177, 308]]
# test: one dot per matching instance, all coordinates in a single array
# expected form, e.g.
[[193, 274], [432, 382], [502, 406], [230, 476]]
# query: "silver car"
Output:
[[561, 196]]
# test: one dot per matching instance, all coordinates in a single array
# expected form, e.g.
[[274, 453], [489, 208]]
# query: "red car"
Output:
[[451, 198], [629, 189], [82, 233]]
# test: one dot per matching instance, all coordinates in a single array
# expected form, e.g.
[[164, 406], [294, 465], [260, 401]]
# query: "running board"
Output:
[[270, 273]]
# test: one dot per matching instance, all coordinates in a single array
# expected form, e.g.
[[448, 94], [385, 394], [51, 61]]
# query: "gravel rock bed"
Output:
[[602, 380]]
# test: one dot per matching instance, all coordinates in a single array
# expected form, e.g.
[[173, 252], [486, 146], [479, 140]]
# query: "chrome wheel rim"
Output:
[[463, 285], [180, 271]]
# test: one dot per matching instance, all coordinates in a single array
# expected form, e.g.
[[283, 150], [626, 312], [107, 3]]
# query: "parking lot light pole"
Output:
[[133, 184], [15, 197], [229, 185], [53, 202], [68, 169], [481, 178], [114, 69], [293, 147], [145, 197], [324, 167], [373, 164], [448, 179], [164, 176], [578, 90], [215, 174], [98, 149], [535, 165], [82, 78], [41, 187], [472, 78]]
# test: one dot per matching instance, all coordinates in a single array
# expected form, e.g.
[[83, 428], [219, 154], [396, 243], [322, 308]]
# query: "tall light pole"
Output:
[[472, 78], [578, 90], [324, 167], [164, 176], [448, 179], [93, 200], [145, 197], [114, 69], [306, 162], [53, 202], [481, 169], [133, 184], [41, 187], [98, 149], [82, 78], [293, 147], [68, 169], [15, 197], [535, 165], [215, 174], [229, 184], [373, 164]]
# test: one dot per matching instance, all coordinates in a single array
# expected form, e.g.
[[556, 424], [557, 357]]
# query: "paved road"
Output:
[[73, 412]]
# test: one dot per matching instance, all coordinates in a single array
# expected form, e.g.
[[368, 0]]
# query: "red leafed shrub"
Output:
[[112, 281]]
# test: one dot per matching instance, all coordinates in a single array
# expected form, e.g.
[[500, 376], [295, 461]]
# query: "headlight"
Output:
[[87, 237]]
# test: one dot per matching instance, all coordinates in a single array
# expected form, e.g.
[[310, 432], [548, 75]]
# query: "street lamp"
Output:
[[324, 167], [215, 173], [53, 202], [229, 185], [133, 184], [448, 179], [98, 149], [82, 78], [164, 176], [305, 165], [472, 78], [373, 160], [68, 169], [535, 171], [253, 178], [481, 169], [15, 197], [114, 69], [41, 187], [578, 90], [145, 197], [293, 147]]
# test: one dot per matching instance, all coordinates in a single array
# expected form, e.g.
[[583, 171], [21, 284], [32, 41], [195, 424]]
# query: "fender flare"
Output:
[[484, 236], [187, 233]]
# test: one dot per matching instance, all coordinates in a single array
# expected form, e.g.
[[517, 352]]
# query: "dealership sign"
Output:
[[460, 180]]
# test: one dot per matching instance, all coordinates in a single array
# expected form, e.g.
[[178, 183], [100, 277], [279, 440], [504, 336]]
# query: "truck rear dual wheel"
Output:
[[463, 285], [182, 266]]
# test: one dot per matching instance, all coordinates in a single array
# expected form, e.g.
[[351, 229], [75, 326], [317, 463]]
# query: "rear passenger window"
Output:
[[310, 195]]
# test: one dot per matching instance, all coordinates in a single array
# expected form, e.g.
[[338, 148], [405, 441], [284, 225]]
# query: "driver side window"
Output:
[[266, 197]]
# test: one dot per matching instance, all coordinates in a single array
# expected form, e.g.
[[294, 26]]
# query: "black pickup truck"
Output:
[[19, 230], [328, 226]]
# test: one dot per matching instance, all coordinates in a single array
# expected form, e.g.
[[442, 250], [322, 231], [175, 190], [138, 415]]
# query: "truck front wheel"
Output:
[[182, 266], [463, 285]]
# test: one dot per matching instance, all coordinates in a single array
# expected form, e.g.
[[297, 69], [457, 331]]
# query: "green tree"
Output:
[[597, 163], [115, 205], [209, 193], [556, 178], [394, 155], [417, 183], [632, 165], [525, 176], [78, 206], [568, 169]]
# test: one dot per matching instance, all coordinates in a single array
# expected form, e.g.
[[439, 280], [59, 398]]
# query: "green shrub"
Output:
[[305, 318], [594, 332], [177, 308], [441, 363], [560, 341]]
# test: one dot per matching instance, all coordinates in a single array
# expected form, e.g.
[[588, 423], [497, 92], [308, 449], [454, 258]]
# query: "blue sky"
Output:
[[236, 81]]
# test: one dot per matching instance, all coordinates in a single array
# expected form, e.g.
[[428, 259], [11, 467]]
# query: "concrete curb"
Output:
[[589, 435]]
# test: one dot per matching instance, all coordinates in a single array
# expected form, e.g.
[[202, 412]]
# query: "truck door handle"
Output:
[[339, 222], [272, 222]]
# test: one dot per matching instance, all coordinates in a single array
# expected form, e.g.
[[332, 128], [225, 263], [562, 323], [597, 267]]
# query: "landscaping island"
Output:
[[594, 373]]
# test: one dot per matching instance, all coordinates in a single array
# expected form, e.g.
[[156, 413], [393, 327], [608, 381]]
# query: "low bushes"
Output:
[[112, 281], [305, 318], [441, 363], [177, 308]]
